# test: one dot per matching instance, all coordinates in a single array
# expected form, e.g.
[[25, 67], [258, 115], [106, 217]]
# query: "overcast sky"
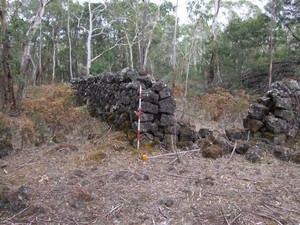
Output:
[[182, 4]]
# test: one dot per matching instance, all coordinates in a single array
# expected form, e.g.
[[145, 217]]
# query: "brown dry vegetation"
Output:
[[70, 168]]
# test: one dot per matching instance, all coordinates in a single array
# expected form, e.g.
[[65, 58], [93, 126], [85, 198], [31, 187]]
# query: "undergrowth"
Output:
[[218, 109], [49, 114]]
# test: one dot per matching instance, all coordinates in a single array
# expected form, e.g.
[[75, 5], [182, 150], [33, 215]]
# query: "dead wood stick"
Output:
[[232, 153], [225, 217], [268, 217], [161, 212], [173, 153], [19, 213], [103, 136], [114, 209], [74, 220], [287, 209], [235, 218], [186, 177], [25, 164], [174, 160]]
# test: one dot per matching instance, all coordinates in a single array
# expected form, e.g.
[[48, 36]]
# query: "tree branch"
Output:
[[115, 45], [292, 33]]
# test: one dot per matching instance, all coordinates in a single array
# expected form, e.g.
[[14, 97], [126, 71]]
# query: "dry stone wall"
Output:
[[272, 123], [276, 115], [114, 97]]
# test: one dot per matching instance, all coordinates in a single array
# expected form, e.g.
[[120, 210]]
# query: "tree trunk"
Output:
[[7, 98], [213, 59], [146, 48], [53, 56], [174, 58], [38, 79], [211, 67], [26, 57], [142, 46], [130, 50], [271, 46], [70, 43], [88, 41]]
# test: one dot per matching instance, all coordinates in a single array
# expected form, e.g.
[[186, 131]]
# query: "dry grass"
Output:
[[222, 103], [5, 121], [218, 110], [49, 114], [101, 181]]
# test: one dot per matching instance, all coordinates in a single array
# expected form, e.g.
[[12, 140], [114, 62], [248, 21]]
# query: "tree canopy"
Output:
[[74, 39]]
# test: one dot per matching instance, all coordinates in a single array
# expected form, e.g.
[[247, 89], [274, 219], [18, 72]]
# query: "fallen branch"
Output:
[[19, 213], [286, 209], [25, 164], [169, 154], [225, 217], [74, 220], [161, 212], [103, 136], [186, 177], [113, 210], [233, 151], [235, 218], [268, 217]]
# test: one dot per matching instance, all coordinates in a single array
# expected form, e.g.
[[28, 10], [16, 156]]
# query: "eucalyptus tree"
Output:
[[136, 22], [214, 54], [201, 32], [69, 39], [194, 51], [74, 51], [271, 41], [94, 24], [243, 39], [26, 55], [175, 38], [244, 45], [128, 17], [46, 42], [287, 13], [7, 98]]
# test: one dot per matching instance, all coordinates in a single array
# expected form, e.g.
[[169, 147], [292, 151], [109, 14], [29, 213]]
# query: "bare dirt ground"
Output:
[[105, 182]]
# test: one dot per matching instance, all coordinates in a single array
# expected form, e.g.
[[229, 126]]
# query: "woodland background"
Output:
[[223, 43]]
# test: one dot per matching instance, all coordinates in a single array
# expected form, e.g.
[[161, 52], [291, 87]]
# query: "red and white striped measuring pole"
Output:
[[139, 118]]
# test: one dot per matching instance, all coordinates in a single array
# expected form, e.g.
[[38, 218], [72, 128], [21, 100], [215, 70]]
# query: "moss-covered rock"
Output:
[[255, 154], [296, 157], [4, 198], [6, 147], [213, 151]]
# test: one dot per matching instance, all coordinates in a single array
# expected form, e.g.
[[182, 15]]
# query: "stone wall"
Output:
[[276, 115], [114, 97], [272, 123]]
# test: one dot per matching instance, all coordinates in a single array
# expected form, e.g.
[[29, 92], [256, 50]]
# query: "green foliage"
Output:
[[249, 33], [242, 43]]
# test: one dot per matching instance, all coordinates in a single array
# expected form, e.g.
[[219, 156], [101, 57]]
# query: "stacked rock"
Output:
[[276, 115], [114, 98]]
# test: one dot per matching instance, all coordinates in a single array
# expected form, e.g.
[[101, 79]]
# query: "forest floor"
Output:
[[90, 174]]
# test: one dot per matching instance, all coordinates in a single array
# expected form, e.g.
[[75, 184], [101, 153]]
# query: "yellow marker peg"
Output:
[[144, 157]]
